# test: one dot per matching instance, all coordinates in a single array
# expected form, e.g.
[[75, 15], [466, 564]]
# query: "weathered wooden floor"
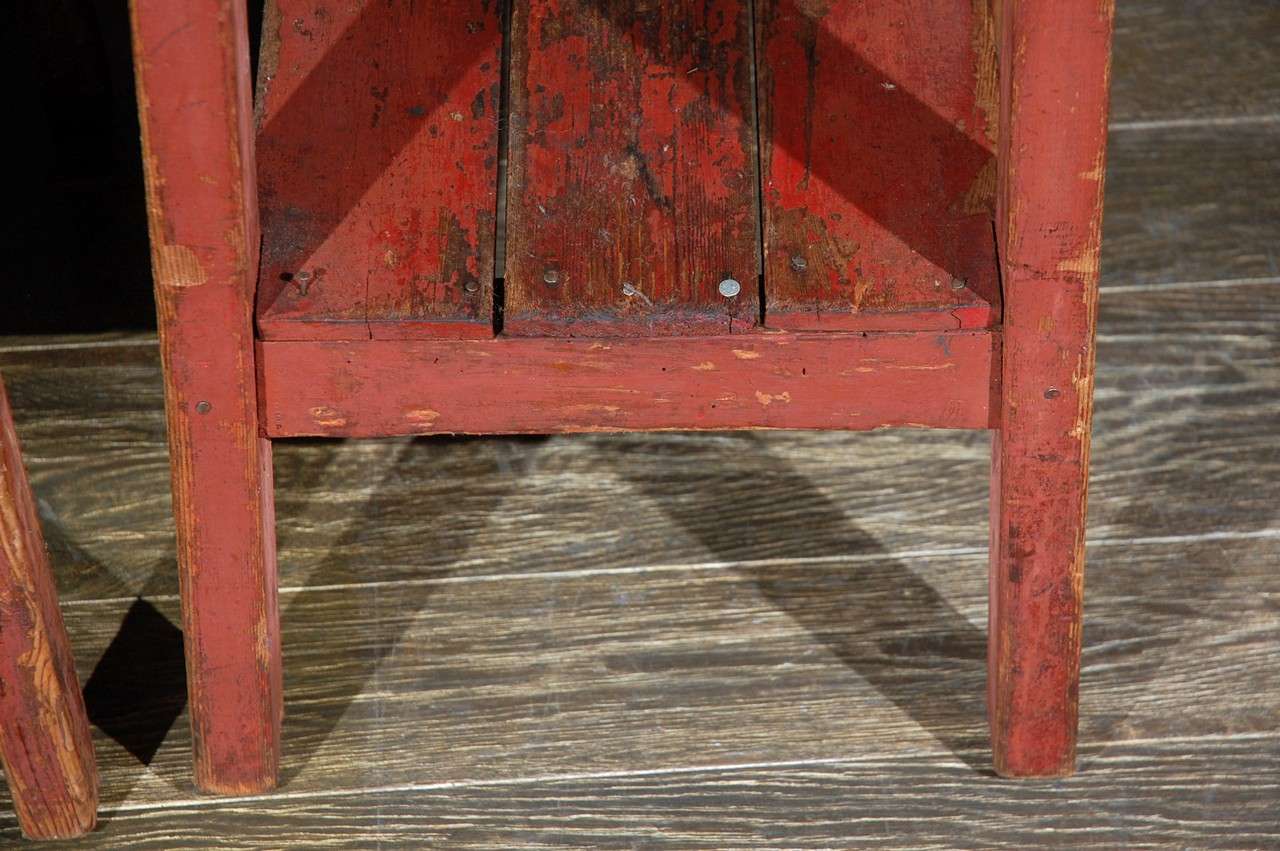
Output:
[[770, 640]]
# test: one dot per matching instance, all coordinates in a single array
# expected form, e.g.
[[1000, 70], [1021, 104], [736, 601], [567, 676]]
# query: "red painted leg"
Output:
[[192, 67], [44, 734], [1054, 69]]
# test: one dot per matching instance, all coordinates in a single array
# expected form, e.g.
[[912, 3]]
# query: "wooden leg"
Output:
[[192, 68], [1054, 69], [44, 733]]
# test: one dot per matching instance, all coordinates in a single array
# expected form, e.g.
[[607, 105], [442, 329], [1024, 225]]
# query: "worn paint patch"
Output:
[[422, 415], [767, 399], [177, 266]]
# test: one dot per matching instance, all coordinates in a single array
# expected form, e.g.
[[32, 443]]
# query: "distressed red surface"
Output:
[[632, 161], [877, 127], [192, 69], [377, 163], [44, 738], [1054, 74], [836, 381], [632, 164]]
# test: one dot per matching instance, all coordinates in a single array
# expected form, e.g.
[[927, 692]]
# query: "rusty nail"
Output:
[[729, 288], [958, 283], [799, 263], [1052, 393], [551, 277], [203, 407], [472, 286]]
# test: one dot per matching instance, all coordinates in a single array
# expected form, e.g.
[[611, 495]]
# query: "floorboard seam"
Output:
[[710, 566], [1187, 123], [1223, 283], [948, 757]]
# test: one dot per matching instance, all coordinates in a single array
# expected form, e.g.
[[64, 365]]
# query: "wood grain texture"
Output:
[[1183, 205], [877, 137], [1178, 702], [1129, 801], [849, 381], [1213, 397], [865, 651], [632, 185], [1166, 72], [1054, 73], [377, 165], [877, 658], [192, 70], [44, 738]]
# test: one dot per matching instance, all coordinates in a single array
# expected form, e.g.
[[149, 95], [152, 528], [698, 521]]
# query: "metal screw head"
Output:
[[729, 288], [551, 277], [203, 407], [471, 286], [799, 263], [1052, 393], [958, 283]]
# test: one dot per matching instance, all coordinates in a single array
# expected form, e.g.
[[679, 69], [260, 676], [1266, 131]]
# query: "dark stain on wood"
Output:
[[377, 162], [633, 169]]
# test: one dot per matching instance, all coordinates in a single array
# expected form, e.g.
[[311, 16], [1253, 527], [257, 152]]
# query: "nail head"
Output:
[[551, 277], [729, 288], [1052, 393], [203, 407], [471, 286], [799, 263]]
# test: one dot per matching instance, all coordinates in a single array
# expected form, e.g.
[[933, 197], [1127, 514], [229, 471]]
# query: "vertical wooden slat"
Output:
[[877, 147], [633, 183], [378, 165], [44, 733], [192, 68], [1054, 74]]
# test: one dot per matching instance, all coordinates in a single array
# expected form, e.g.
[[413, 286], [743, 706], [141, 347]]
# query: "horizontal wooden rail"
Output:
[[541, 385]]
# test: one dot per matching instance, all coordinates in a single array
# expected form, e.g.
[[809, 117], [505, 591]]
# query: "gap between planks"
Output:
[[706, 566], [1184, 123]]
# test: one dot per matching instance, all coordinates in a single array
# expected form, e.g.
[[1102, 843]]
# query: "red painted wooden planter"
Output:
[[614, 216]]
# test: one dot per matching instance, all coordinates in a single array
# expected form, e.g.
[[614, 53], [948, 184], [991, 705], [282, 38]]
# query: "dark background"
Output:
[[73, 251]]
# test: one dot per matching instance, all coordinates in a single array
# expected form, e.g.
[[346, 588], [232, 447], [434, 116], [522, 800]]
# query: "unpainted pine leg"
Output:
[[192, 68], [44, 733], [1054, 74]]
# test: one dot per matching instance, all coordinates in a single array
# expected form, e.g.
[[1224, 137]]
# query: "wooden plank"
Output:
[[1158, 226], [1187, 63], [192, 69], [44, 740], [547, 386], [633, 186], [877, 135], [1185, 377], [1168, 794], [1055, 64], [860, 654], [378, 169]]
